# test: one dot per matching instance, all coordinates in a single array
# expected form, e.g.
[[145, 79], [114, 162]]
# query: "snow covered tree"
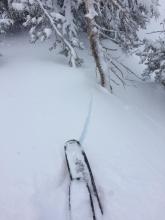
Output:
[[5, 20], [103, 20], [45, 18], [119, 22], [153, 56]]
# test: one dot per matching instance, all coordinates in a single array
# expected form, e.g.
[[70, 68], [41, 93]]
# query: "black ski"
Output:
[[79, 170]]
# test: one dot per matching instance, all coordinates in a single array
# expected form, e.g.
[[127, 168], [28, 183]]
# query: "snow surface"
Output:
[[44, 103]]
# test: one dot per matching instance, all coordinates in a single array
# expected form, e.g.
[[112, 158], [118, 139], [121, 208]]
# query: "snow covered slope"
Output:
[[43, 103]]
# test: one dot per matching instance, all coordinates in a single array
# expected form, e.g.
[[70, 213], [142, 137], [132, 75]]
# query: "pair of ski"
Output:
[[80, 173]]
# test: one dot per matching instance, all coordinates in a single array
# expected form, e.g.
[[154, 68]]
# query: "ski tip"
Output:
[[70, 142]]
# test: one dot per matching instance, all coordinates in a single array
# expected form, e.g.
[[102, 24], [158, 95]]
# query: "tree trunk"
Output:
[[96, 48]]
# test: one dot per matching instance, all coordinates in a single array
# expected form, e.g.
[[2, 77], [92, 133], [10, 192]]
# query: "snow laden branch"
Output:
[[5, 21], [153, 56], [74, 59]]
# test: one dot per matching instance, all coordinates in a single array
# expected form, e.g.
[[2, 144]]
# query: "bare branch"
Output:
[[129, 70], [111, 49], [155, 32]]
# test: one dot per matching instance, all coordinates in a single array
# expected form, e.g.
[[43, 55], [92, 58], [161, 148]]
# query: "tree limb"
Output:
[[73, 54]]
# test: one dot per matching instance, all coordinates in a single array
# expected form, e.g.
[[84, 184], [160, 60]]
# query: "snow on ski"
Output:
[[82, 183]]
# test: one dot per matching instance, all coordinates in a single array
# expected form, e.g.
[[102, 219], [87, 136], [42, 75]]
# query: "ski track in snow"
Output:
[[87, 121], [43, 103]]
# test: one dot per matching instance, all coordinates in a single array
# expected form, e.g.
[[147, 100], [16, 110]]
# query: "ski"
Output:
[[80, 171]]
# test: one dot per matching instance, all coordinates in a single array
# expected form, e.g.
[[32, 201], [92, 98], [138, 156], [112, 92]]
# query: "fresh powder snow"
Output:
[[44, 103]]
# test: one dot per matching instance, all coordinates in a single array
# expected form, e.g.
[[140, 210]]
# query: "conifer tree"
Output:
[[65, 21], [153, 56]]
